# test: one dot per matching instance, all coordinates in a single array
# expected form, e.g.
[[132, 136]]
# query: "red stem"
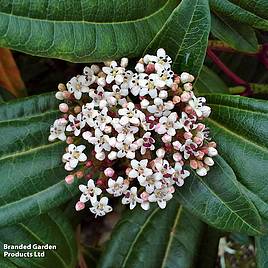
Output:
[[235, 78]]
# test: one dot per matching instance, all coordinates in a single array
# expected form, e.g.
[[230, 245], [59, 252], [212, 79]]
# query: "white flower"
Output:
[[76, 124], [101, 120], [161, 196], [150, 183], [160, 108], [57, 130], [168, 124], [189, 149], [89, 73], [126, 150], [73, 156], [115, 97], [114, 73], [179, 175], [100, 208], [150, 85], [78, 85], [139, 169], [166, 74], [134, 83], [131, 198], [198, 105], [89, 113], [129, 115], [89, 192], [187, 121], [126, 79], [162, 169], [101, 141], [118, 187], [146, 142], [98, 96]]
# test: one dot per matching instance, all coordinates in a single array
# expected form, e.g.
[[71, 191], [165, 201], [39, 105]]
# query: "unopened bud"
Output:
[[209, 161], [109, 172], [79, 206], [212, 151], [201, 172], [77, 109], [69, 179], [63, 107], [61, 87]]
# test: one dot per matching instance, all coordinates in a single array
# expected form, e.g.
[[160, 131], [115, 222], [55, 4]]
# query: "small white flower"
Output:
[[151, 85], [78, 85], [89, 192], [131, 198], [179, 175], [118, 187], [57, 130], [98, 96], [89, 73], [187, 121], [73, 156], [146, 142], [160, 108], [150, 183], [89, 113], [189, 148], [139, 169], [162, 169], [166, 74], [76, 124], [100, 208], [198, 105], [134, 83], [168, 124], [129, 115], [126, 150], [161, 196], [116, 96], [114, 73]]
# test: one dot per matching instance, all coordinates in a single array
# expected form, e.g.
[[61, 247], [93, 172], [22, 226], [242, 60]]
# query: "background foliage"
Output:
[[34, 199]]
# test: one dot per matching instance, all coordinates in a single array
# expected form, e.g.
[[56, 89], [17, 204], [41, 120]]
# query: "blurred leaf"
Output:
[[239, 125], [232, 11], [82, 32], [154, 238], [185, 35], [218, 200], [32, 175], [238, 36], [5, 95], [52, 229], [258, 7], [261, 243], [209, 82]]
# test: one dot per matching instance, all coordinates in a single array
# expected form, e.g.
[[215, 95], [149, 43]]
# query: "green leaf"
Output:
[[218, 200], [52, 229], [185, 36], [232, 11], [258, 7], [209, 82], [89, 31], [239, 125], [239, 36], [261, 243], [154, 238], [31, 172]]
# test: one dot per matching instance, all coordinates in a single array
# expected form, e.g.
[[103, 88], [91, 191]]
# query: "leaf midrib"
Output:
[[92, 22]]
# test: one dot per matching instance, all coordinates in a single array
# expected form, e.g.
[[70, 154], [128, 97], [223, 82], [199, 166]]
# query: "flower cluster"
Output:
[[132, 134]]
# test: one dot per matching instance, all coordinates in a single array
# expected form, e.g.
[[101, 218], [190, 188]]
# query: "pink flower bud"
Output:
[[176, 145], [188, 86], [89, 176], [79, 206], [193, 164], [150, 68], [212, 144], [69, 140], [66, 94], [188, 109], [69, 179], [187, 135], [174, 87], [166, 138], [185, 96], [63, 107], [109, 172], [79, 174], [176, 99], [144, 196], [177, 80], [77, 109], [177, 157], [160, 152], [171, 189], [200, 126], [198, 140], [89, 164]]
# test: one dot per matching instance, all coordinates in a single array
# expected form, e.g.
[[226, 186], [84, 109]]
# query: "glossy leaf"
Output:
[[52, 229], [218, 200], [87, 31], [238, 36], [209, 82], [31, 172], [154, 238], [232, 11], [240, 127], [185, 36]]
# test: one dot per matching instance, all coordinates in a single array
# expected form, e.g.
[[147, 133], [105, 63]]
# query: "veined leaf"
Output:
[[232, 11], [209, 82], [261, 243], [52, 229], [259, 7], [218, 200], [32, 175], [240, 127], [155, 238], [185, 36], [238, 36], [87, 31]]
